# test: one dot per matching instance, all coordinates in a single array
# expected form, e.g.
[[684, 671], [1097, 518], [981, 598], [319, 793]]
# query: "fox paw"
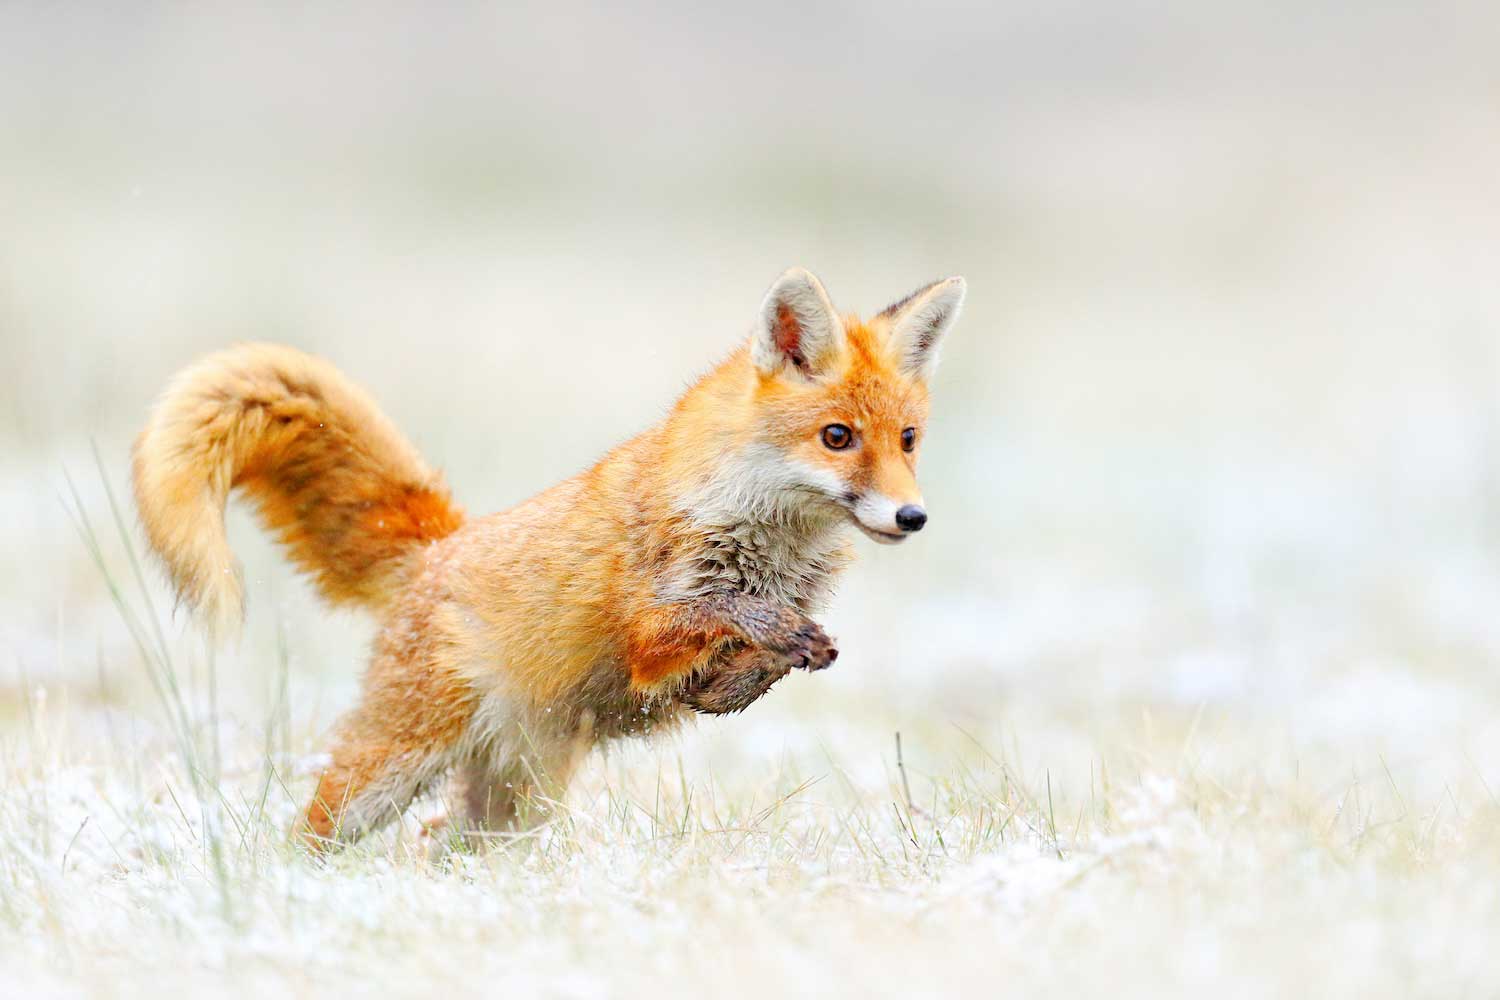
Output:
[[807, 648], [736, 685]]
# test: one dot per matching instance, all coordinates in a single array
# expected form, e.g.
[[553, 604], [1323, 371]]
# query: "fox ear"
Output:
[[919, 321], [798, 327]]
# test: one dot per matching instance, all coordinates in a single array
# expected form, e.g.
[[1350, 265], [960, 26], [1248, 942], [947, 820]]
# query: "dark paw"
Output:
[[785, 632], [810, 648], [734, 685]]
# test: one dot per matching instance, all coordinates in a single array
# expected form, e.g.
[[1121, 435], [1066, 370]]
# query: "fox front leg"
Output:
[[790, 636], [669, 642], [779, 638], [776, 640], [735, 682]]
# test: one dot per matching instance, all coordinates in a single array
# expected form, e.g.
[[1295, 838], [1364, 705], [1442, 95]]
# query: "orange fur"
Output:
[[678, 572], [329, 474]]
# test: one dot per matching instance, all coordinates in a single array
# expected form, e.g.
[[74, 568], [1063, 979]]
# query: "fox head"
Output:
[[842, 403]]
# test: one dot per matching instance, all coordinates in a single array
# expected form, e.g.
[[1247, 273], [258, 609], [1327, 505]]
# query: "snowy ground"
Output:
[[1196, 670], [1344, 842]]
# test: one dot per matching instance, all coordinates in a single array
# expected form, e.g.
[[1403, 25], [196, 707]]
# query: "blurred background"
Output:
[[1217, 437]]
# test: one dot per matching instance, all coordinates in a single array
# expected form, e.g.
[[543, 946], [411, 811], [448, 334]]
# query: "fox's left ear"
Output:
[[919, 321]]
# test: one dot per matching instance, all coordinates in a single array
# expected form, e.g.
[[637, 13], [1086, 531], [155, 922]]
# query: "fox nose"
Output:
[[911, 518]]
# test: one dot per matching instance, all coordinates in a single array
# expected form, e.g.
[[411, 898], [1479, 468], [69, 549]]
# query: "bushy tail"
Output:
[[330, 475]]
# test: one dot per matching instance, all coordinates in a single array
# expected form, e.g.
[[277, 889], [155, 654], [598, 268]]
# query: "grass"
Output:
[[131, 873], [146, 849]]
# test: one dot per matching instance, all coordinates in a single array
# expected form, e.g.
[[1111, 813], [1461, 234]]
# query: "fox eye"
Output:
[[908, 439], [837, 436]]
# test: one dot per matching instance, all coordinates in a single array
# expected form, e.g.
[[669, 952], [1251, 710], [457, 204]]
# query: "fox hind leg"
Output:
[[403, 735], [369, 782], [497, 798], [362, 789], [516, 788]]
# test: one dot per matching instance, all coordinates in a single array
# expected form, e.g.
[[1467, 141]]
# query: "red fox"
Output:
[[677, 574]]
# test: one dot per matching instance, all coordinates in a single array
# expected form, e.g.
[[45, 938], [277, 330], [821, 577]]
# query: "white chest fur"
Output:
[[792, 565], [766, 528]]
